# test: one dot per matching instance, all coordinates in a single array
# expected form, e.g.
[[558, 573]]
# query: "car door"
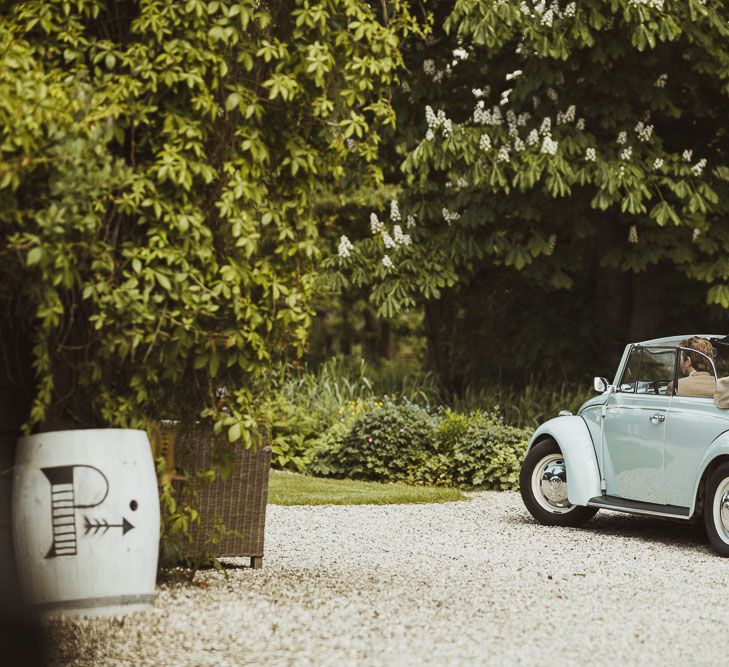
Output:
[[635, 421], [692, 424]]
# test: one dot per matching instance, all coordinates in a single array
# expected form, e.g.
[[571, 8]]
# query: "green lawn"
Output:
[[288, 488]]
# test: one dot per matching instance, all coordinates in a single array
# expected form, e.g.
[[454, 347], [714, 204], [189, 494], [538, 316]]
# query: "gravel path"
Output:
[[458, 584]]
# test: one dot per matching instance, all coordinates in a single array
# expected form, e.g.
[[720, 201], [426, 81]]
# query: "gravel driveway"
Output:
[[463, 583]]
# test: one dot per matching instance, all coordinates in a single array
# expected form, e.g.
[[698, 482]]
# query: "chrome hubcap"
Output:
[[720, 510], [554, 485], [724, 511], [549, 484]]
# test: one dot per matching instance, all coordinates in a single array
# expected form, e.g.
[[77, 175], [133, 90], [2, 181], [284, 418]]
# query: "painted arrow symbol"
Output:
[[103, 525]]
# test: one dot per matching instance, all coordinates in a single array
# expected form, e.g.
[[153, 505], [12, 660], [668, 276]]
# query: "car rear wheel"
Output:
[[716, 509], [543, 482]]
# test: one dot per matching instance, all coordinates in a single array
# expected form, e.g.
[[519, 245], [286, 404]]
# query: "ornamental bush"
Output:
[[390, 442], [488, 455], [396, 440]]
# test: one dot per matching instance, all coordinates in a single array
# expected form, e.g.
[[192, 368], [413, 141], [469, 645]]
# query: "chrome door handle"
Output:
[[657, 418]]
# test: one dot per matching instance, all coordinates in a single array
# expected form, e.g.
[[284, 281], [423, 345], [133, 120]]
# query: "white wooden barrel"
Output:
[[86, 521]]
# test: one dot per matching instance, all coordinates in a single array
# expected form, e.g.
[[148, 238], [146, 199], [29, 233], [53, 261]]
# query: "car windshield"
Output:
[[686, 367]]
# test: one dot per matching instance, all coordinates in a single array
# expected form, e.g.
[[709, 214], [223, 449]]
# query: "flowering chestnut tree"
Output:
[[529, 126]]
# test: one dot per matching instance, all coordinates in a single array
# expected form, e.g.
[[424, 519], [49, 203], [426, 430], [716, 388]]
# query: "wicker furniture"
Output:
[[238, 502]]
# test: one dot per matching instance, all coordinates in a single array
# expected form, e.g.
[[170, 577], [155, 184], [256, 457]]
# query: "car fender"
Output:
[[720, 447], [573, 438]]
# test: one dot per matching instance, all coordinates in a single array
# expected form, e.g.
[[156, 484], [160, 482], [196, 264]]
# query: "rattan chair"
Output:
[[238, 503]]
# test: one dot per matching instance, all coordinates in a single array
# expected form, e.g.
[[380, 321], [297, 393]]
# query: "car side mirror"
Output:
[[600, 384]]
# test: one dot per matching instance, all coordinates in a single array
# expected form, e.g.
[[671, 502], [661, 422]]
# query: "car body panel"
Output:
[[692, 427], [633, 459], [720, 447], [573, 437]]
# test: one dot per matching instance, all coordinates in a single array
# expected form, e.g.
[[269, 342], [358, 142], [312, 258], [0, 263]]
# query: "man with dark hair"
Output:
[[698, 380]]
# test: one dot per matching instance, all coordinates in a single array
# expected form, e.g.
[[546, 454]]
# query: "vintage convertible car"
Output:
[[639, 446]]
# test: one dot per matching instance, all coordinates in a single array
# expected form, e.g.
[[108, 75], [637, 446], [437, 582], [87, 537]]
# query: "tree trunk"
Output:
[[612, 294], [648, 304]]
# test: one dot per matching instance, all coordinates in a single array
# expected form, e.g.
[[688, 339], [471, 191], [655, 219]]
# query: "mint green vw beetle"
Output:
[[643, 445]]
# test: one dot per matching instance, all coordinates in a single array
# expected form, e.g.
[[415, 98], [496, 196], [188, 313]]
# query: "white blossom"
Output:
[[394, 211], [533, 138], [514, 75], [552, 94], [345, 247], [580, 124], [402, 239], [590, 155], [546, 126], [551, 244], [549, 147], [429, 135], [437, 120], [429, 67], [695, 235], [450, 216], [626, 153], [661, 81], [484, 143], [460, 53], [388, 240], [622, 138], [658, 163], [643, 131], [503, 154], [505, 97], [570, 10], [410, 221], [518, 145], [387, 262], [566, 116], [633, 235], [375, 225], [687, 154], [651, 4], [698, 168]]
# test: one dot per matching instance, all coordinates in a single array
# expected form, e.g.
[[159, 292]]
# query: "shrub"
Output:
[[489, 454], [389, 442]]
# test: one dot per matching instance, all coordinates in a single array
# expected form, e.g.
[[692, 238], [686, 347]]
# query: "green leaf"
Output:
[[34, 256]]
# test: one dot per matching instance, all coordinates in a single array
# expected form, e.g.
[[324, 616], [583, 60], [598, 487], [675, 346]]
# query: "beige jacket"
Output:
[[699, 384]]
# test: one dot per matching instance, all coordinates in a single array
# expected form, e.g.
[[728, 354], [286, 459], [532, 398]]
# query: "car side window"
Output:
[[656, 371], [630, 374]]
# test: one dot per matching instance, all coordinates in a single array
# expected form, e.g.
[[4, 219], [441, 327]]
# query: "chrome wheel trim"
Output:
[[549, 485], [721, 510]]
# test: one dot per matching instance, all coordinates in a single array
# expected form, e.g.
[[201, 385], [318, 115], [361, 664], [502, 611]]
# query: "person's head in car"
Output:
[[695, 362]]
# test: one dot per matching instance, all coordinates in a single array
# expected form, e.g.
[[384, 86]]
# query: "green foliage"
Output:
[[489, 454], [550, 123], [525, 407], [389, 442], [302, 410], [397, 440], [160, 165]]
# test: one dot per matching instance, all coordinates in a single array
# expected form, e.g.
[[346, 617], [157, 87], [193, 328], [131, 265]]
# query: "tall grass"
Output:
[[343, 379], [526, 407]]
